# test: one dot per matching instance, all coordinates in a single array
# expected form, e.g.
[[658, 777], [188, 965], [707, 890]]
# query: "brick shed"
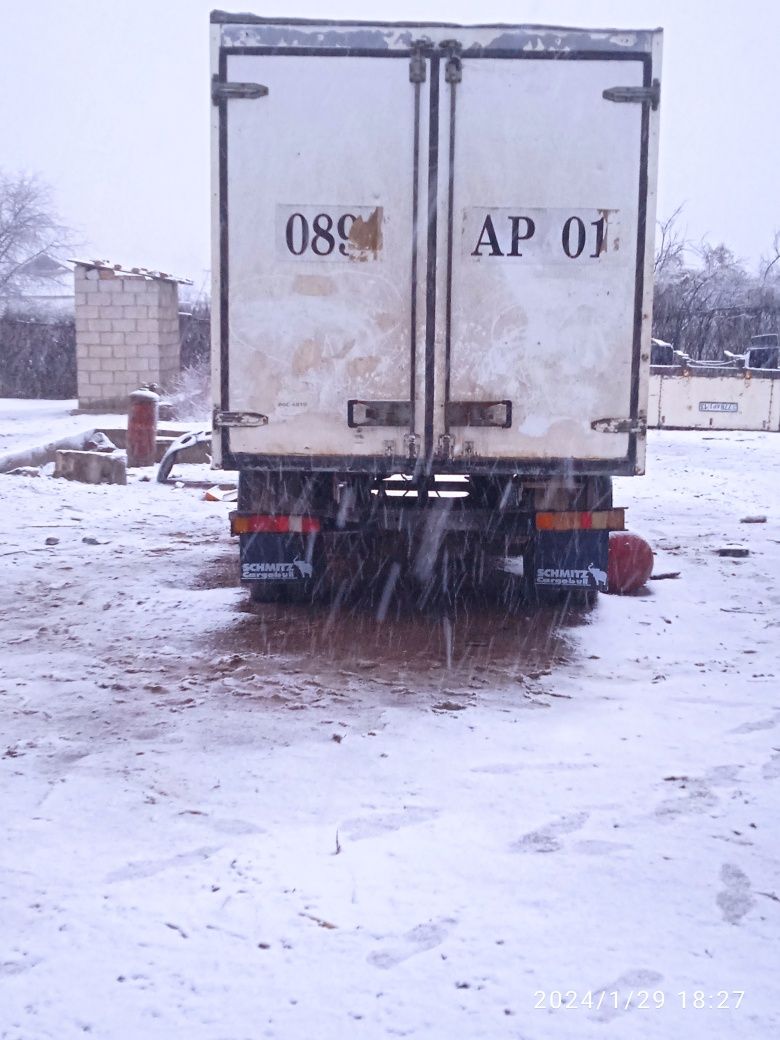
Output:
[[127, 331]]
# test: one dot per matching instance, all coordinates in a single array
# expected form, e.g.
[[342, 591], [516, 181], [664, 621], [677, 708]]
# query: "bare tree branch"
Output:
[[29, 229], [770, 262], [670, 245]]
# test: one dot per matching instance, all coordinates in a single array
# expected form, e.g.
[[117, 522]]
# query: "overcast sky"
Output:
[[109, 102]]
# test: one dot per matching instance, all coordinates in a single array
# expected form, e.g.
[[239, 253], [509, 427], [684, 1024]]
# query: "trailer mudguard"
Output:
[[571, 559], [277, 557]]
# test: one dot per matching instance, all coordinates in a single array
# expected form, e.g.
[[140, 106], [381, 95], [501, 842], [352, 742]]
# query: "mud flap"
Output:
[[277, 557], [571, 560]]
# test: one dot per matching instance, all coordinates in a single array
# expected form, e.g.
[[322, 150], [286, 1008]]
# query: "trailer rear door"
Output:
[[432, 244], [542, 285], [318, 265]]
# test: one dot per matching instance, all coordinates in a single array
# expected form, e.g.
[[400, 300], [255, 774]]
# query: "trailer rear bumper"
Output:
[[560, 550]]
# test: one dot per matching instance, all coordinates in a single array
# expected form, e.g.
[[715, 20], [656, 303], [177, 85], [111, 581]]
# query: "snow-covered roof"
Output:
[[131, 272], [42, 278]]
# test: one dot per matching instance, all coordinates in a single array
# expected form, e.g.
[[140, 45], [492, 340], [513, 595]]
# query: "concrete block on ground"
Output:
[[90, 467]]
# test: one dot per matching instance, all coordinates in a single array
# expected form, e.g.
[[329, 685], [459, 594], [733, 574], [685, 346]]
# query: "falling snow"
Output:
[[245, 821]]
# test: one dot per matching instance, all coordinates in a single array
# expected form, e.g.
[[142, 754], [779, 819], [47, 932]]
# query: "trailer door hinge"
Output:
[[417, 63], [638, 425], [453, 70], [239, 419], [640, 95], [445, 447], [222, 91]]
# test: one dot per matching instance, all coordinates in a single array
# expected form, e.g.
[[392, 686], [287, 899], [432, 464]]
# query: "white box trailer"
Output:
[[432, 257], [689, 398]]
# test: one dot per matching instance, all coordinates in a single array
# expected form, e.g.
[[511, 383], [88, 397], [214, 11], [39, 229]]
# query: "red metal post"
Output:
[[142, 428]]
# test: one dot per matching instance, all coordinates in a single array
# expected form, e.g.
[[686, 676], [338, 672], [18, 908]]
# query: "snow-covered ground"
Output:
[[224, 824], [31, 424]]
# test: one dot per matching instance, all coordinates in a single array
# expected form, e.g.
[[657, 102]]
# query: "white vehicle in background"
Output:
[[737, 392], [432, 260]]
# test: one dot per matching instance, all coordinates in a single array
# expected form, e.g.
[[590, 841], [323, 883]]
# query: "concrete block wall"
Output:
[[127, 334]]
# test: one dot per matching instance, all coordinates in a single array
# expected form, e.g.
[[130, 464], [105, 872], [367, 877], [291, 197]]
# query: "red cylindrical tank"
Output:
[[630, 562], [142, 428]]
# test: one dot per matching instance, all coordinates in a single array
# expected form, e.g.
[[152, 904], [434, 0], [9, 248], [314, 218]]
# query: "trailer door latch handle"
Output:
[[222, 91], [638, 425], [239, 419], [378, 413], [479, 413], [640, 95]]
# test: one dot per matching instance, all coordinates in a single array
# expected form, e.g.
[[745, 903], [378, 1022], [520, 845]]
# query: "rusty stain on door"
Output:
[[365, 236]]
